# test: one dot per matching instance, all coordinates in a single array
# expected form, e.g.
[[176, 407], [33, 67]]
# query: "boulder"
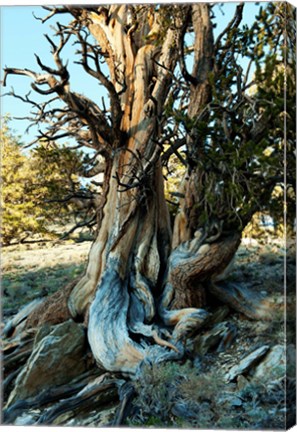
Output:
[[56, 359], [273, 364], [246, 363]]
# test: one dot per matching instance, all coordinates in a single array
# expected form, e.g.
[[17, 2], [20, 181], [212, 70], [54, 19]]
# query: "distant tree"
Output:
[[169, 83], [70, 199], [38, 196], [22, 215]]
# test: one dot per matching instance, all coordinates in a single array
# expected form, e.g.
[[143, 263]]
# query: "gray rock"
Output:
[[273, 365], [55, 360], [43, 331], [230, 400], [246, 363], [182, 409], [242, 382]]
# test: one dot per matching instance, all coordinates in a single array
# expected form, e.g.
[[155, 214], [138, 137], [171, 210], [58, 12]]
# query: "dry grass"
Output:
[[34, 270]]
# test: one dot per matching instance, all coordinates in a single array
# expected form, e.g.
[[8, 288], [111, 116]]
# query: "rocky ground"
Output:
[[238, 374]]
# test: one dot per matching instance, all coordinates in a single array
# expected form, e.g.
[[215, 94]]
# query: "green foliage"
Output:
[[162, 386], [59, 167], [242, 136], [32, 185], [22, 214], [172, 395]]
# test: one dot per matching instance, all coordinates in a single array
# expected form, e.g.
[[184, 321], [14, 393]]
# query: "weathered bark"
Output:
[[136, 272], [194, 263], [94, 395], [48, 396], [127, 393], [128, 259], [52, 310]]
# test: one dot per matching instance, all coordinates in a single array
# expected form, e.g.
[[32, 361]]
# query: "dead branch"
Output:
[[234, 23], [90, 223], [93, 395], [98, 74]]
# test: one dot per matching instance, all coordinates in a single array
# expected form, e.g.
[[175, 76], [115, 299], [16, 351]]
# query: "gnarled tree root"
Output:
[[98, 393], [54, 309], [48, 396], [241, 300], [127, 393]]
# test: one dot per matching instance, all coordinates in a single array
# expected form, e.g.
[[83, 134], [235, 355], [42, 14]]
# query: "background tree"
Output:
[[68, 196], [22, 215], [140, 281], [39, 198]]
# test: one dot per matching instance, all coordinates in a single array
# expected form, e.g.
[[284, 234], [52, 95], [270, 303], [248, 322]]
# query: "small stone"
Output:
[[273, 365], [25, 420], [182, 409], [236, 402], [246, 363], [242, 382]]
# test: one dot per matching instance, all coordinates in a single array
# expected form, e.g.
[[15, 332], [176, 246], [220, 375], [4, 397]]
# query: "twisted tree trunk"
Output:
[[128, 259], [136, 272]]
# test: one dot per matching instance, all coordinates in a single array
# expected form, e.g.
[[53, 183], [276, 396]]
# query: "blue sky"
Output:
[[22, 36]]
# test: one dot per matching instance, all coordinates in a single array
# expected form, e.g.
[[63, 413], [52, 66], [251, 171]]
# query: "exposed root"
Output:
[[54, 310], [126, 393], [46, 397], [163, 342], [97, 393], [242, 300], [18, 320]]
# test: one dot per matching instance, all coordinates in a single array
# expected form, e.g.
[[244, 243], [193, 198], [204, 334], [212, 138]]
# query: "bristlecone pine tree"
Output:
[[147, 287]]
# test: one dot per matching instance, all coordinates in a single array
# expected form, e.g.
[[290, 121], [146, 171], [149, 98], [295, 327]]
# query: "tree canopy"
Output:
[[41, 190]]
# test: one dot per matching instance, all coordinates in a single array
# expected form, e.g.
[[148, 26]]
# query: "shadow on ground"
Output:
[[20, 286]]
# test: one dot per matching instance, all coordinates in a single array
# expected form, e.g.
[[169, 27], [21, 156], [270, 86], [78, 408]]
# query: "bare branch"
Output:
[[187, 76], [172, 150], [98, 74], [15, 71], [53, 11], [234, 23], [89, 223]]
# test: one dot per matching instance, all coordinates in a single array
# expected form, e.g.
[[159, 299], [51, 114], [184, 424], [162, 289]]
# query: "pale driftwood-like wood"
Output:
[[47, 397], [126, 393], [21, 316], [242, 299], [95, 395], [129, 255]]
